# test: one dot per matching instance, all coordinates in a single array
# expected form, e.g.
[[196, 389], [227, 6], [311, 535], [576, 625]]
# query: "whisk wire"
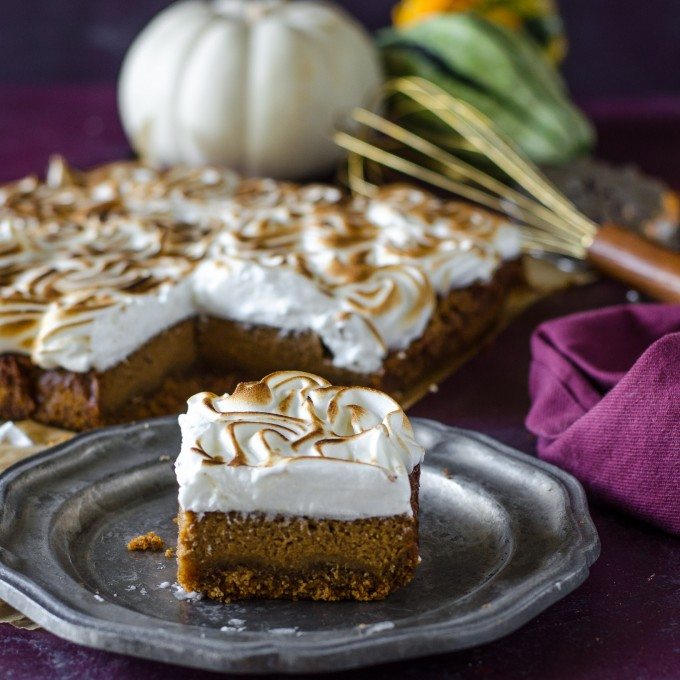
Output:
[[549, 221], [459, 170], [481, 133]]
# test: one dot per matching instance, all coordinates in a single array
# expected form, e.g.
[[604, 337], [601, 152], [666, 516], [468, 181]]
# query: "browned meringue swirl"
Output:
[[291, 415], [107, 238]]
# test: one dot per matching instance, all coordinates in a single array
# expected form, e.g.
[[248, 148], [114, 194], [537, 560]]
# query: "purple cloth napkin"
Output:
[[605, 392]]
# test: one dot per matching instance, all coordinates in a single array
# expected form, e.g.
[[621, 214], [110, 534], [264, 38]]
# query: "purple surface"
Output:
[[624, 622], [605, 391]]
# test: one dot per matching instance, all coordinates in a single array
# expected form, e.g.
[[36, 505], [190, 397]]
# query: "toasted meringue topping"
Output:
[[79, 251], [352, 448]]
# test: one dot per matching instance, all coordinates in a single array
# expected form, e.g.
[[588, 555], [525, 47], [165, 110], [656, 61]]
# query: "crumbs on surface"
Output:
[[148, 541], [170, 553]]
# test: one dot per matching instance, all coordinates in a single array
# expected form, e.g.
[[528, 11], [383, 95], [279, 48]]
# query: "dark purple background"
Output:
[[618, 47]]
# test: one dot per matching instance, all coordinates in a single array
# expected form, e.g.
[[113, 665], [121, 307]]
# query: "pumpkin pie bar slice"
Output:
[[291, 488]]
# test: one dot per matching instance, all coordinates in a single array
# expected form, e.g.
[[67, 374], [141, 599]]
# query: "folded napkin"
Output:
[[605, 392]]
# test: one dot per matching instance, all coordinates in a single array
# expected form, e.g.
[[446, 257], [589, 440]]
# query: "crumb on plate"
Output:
[[148, 541]]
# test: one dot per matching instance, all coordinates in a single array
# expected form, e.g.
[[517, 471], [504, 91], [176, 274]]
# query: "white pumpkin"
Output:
[[256, 85]]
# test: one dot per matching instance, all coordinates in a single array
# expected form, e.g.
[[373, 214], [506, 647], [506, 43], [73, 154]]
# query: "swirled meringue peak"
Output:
[[293, 444]]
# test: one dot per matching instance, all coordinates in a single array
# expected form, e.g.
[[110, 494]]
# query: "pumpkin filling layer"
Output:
[[230, 556]]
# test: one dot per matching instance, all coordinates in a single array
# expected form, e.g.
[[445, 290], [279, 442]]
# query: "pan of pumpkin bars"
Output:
[[288, 526]]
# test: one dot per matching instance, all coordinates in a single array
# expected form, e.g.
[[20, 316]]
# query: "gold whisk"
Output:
[[550, 223]]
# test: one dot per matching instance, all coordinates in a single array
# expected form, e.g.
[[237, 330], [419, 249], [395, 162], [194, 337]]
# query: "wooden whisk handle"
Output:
[[636, 261]]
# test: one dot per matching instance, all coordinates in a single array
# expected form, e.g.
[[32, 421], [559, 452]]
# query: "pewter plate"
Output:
[[503, 536]]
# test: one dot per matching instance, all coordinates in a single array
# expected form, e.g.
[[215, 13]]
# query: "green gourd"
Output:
[[498, 71]]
